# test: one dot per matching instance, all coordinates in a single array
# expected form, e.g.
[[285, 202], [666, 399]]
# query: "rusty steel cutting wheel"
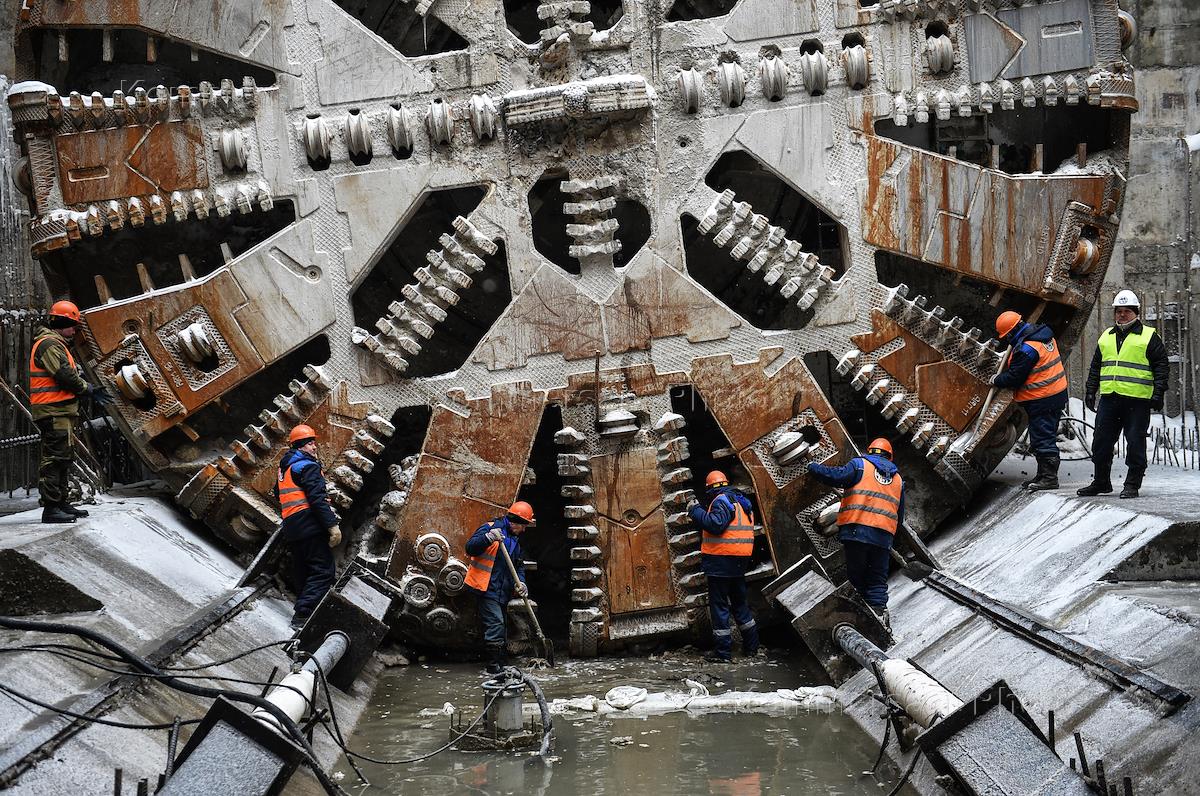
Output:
[[579, 266]]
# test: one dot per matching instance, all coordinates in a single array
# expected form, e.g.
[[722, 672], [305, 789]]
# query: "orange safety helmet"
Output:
[[715, 478], [880, 445], [301, 433], [521, 510], [65, 309], [1007, 321]]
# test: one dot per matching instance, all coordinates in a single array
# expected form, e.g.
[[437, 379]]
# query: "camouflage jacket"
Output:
[[52, 357]]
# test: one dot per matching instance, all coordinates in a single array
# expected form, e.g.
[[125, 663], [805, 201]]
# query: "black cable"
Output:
[[284, 720], [148, 676], [907, 774], [887, 731], [543, 708], [223, 661], [207, 665], [340, 739], [18, 696], [437, 751]]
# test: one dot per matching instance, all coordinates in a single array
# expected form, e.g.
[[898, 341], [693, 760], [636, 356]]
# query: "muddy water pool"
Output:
[[791, 750]]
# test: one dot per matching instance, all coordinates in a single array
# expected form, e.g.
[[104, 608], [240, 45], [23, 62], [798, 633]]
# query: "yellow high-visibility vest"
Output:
[[1126, 371]]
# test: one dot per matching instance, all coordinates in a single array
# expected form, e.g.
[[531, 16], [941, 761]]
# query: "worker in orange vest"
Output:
[[55, 384], [871, 511], [1036, 375], [309, 527], [726, 550], [488, 575]]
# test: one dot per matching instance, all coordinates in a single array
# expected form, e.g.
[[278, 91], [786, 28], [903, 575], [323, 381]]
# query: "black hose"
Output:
[[547, 721], [146, 675], [15, 695], [133, 659], [428, 755], [912, 766], [337, 728]]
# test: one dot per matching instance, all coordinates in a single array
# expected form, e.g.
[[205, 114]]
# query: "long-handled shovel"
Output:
[[547, 646]]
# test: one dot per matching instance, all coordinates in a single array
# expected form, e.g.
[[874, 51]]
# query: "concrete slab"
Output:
[[154, 574], [1047, 554]]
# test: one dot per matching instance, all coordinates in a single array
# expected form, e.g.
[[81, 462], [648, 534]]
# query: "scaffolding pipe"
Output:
[[293, 694], [924, 699]]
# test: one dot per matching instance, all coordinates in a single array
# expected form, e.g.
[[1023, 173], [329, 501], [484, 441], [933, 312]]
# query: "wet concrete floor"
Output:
[[794, 751]]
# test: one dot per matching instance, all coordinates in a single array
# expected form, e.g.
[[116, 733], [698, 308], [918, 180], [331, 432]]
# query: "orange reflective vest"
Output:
[[738, 539], [43, 388], [479, 572], [1047, 377], [872, 501], [292, 499]]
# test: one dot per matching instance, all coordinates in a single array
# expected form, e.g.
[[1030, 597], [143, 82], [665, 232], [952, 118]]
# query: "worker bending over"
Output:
[[872, 509], [55, 384], [488, 575], [726, 547], [310, 528], [1129, 372], [1038, 379]]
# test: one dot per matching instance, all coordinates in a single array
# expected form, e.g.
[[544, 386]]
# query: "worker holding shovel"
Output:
[[492, 577]]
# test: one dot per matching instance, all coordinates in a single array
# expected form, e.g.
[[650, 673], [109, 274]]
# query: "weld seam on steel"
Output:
[[1116, 671]]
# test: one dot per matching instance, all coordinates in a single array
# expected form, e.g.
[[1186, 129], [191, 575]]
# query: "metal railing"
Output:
[[18, 435]]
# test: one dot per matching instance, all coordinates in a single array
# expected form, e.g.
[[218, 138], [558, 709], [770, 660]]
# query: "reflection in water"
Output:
[[720, 754]]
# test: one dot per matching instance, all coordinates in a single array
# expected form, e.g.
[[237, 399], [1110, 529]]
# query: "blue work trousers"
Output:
[[491, 618], [867, 569], [313, 571], [726, 600], [1044, 416]]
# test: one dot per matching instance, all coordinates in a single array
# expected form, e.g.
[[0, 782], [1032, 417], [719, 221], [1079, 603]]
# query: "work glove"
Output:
[[335, 536], [522, 590], [1156, 403], [495, 535], [1089, 401], [100, 395]]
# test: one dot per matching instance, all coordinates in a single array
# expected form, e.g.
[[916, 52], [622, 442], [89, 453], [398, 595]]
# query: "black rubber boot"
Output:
[[1047, 474], [496, 658], [78, 512], [54, 514], [1095, 488], [1041, 470]]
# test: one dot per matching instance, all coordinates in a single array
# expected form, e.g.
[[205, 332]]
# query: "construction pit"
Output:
[[579, 254]]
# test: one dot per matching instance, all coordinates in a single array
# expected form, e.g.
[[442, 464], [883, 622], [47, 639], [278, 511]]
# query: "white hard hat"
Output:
[[1127, 298]]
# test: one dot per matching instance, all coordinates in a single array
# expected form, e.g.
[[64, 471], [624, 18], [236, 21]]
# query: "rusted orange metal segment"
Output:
[[944, 386], [638, 566], [470, 468], [120, 162], [335, 420], [628, 496], [85, 12], [977, 221], [249, 30], [748, 404], [901, 364], [950, 391], [642, 379], [220, 295]]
